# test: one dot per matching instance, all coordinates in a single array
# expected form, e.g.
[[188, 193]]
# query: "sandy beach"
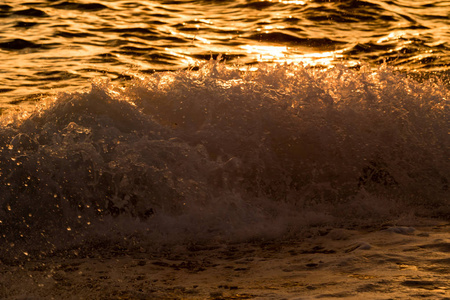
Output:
[[388, 263]]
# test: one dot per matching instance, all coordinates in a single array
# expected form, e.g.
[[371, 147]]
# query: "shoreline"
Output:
[[396, 262]]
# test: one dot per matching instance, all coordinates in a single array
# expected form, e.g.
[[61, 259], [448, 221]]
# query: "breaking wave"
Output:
[[222, 154]]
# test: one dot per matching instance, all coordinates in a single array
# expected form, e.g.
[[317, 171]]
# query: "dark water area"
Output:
[[51, 46]]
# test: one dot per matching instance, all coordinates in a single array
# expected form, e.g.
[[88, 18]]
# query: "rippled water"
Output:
[[48, 46]]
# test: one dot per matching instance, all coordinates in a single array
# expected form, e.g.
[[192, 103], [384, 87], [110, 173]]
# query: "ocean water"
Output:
[[51, 46], [150, 123]]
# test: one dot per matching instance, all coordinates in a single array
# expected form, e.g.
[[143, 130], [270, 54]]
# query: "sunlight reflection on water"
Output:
[[282, 54], [47, 47]]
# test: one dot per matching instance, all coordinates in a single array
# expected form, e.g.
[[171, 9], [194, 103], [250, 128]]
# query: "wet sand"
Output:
[[387, 263]]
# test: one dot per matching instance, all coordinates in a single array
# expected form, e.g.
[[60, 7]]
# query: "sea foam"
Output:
[[224, 154]]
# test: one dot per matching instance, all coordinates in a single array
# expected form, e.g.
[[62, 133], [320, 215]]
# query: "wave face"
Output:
[[222, 155]]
